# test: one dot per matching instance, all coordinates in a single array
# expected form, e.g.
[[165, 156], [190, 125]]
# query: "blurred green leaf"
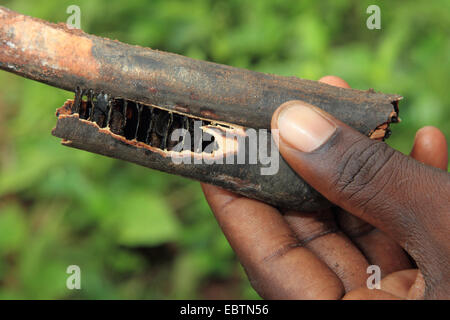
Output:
[[139, 224], [13, 228]]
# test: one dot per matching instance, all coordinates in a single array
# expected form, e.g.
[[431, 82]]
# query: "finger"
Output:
[[378, 248], [277, 265], [399, 283], [369, 294], [417, 290], [365, 177], [319, 233], [430, 147], [394, 287], [334, 81]]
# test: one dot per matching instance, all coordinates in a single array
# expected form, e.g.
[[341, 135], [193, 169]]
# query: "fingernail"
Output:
[[303, 127]]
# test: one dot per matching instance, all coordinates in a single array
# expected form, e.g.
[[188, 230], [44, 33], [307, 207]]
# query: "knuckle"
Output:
[[362, 174], [286, 245]]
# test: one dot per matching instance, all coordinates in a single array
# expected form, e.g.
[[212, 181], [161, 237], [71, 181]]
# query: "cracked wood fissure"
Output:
[[177, 89]]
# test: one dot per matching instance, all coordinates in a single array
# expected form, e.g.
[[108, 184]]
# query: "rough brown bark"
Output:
[[71, 59]]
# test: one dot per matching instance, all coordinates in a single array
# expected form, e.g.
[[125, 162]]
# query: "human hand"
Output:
[[388, 203]]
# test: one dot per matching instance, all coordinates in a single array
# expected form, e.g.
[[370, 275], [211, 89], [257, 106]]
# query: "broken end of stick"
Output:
[[383, 131]]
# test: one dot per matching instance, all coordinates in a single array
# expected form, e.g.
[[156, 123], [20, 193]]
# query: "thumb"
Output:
[[369, 179]]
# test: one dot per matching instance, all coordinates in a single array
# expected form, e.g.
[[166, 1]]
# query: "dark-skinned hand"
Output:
[[394, 212]]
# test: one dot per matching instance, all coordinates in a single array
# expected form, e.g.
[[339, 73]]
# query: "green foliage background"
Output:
[[138, 233]]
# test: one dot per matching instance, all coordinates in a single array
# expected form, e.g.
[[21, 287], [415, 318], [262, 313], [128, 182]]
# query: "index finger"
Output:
[[277, 265]]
